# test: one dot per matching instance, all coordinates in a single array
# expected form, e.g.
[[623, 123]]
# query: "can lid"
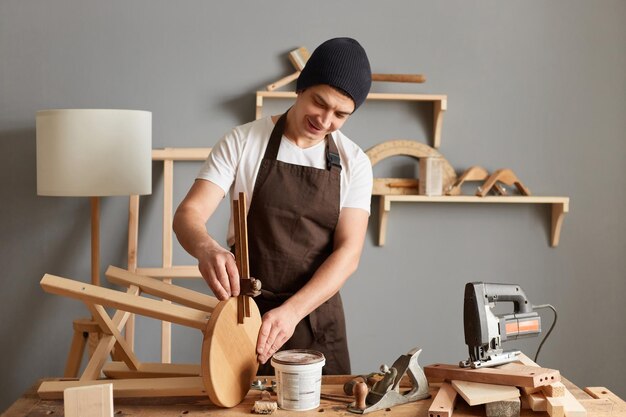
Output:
[[298, 357]]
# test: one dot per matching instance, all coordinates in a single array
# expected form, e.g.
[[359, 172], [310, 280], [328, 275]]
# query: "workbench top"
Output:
[[30, 405]]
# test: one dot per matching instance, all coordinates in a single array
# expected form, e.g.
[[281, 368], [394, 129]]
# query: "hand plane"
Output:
[[386, 392], [485, 332]]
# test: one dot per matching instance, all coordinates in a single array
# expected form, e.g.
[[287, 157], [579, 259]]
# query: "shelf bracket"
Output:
[[439, 106], [558, 212]]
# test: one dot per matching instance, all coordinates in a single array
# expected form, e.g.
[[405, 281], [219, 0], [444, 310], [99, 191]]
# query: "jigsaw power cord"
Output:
[[551, 327]]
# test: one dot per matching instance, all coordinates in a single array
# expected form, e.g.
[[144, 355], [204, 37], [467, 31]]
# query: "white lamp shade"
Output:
[[94, 152]]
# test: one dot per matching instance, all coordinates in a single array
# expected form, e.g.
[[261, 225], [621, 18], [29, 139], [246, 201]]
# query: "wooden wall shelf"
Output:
[[560, 206], [440, 104]]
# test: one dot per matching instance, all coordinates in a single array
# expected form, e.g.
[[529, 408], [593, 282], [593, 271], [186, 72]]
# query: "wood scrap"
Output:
[[537, 401], [573, 408], [89, 401], [555, 407], [602, 392], [505, 176], [475, 393], [444, 402], [556, 389], [503, 408], [523, 376]]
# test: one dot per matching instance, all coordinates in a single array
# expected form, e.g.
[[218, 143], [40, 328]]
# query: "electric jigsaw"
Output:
[[485, 331]]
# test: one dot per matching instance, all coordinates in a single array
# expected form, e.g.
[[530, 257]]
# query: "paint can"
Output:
[[298, 378]]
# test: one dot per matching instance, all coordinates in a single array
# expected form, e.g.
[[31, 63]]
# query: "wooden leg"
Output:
[[84, 329]]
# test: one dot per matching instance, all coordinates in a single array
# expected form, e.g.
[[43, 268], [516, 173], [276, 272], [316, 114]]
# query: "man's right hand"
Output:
[[219, 270]]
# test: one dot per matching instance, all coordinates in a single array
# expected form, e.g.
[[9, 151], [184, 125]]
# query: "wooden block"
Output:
[[556, 389], [504, 408], [119, 370], [131, 388], [431, 176], [555, 407], [476, 393], [443, 404], [537, 401], [89, 401], [523, 376], [573, 408]]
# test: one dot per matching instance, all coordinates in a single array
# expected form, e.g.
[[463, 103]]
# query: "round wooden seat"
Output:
[[229, 360]]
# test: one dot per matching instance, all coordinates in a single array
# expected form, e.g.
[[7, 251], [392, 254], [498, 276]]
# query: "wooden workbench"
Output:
[[30, 405]]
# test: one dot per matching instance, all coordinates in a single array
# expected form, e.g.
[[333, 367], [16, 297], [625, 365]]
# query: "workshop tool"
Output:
[[505, 176], [413, 149], [485, 332], [385, 393]]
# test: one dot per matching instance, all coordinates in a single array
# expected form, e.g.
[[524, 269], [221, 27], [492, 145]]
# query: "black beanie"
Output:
[[341, 63]]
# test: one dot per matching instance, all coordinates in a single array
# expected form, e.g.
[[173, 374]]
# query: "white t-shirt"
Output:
[[234, 162]]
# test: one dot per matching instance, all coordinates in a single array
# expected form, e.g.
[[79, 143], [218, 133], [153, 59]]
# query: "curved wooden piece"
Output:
[[505, 176], [407, 148], [228, 361], [474, 173]]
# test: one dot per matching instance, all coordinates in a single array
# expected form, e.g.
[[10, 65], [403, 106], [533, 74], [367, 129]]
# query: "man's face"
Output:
[[319, 110]]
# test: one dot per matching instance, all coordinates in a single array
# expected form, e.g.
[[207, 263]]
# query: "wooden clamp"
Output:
[[505, 176], [474, 173], [241, 252]]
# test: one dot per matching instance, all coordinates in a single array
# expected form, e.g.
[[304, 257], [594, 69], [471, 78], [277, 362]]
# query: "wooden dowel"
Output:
[[399, 78]]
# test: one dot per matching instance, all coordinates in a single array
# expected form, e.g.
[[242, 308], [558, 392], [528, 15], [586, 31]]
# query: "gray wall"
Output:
[[536, 86]]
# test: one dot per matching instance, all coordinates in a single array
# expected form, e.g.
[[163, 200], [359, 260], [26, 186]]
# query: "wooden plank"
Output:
[[555, 407], [602, 408], [132, 388], [110, 328], [475, 393], [105, 345], [177, 271], [133, 248], [371, 96], [181, 154], [602, 392], [444, 402], [537, 401], [89, 401], [168, 191], [184, 316], [98, 358], [177, 294], [523, 377], [573, 408], [119, 370]]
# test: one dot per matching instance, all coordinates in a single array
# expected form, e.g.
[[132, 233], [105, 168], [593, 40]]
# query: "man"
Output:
[[309, 189]]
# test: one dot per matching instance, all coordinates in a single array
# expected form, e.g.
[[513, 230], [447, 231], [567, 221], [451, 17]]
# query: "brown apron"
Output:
[[293, 214]]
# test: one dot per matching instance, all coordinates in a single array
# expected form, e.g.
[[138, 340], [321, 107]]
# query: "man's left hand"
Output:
[[277, 327]]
